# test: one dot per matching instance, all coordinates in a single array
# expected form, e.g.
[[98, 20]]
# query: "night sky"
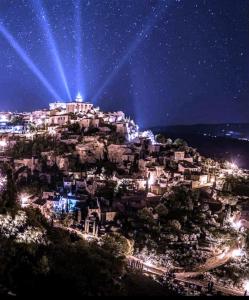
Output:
[[160, 61]]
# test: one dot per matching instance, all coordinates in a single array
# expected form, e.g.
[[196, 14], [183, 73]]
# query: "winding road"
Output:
[[184, 277], [211, 263]]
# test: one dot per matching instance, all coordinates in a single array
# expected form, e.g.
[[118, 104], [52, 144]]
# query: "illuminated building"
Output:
[[61, 120], [5, 117], [7, 128], [3, 145], [65, 203], [78, 106], [57, 105], [179, 155]]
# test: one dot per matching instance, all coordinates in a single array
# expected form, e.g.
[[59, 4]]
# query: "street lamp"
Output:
[[237, 253], [24, 200], [3, 145], [151, 180], [148, 262], [235, 224], [2, 182], [246, 287], [234, 166], [30, 135]]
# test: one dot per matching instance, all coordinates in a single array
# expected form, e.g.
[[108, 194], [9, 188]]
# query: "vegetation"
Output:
[[179, 143], [17, 120], [64, 268], [180, 225], [63, 265], [68, 266], [117, 245], [74, 128], [26, 149], [236, 185], [160, 138], [8, 198]]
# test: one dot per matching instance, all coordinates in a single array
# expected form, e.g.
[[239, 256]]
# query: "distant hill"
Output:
[[220, 130], [221, 141]]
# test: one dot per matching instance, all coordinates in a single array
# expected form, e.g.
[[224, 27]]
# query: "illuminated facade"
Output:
[[57, 105], [78, 106], [60, 120], [65, 204], [18, 129]]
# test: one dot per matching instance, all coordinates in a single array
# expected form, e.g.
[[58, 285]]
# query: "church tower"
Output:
[[79, 98], [78, 105]]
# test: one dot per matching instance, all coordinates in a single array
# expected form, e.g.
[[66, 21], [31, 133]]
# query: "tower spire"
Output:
[[79, 98]]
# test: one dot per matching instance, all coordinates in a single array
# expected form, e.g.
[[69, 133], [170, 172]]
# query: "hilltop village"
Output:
[[97, 174]]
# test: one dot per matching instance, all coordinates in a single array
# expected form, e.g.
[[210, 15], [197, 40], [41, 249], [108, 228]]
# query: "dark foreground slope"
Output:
[[68, 267]]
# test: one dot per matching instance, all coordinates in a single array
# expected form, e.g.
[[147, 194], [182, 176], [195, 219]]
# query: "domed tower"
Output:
[[78, 105], [79, 98]]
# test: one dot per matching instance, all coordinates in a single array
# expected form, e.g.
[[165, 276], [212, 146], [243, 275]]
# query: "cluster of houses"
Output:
[[142, 170]]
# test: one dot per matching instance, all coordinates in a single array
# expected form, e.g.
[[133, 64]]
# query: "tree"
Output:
[[182, 198], [174, 224], [36, 219], [9, 195], [107, 191], [180, 143], [160, 138], [75, 128], [173, 165], [161, 210], [146, 216], [117, 245], [17, 120], [81, 268], [169, 142]]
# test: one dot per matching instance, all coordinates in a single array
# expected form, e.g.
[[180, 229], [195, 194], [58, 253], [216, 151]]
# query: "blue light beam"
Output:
[[134, 45], [41, 13], [28, 61], [78, 27]]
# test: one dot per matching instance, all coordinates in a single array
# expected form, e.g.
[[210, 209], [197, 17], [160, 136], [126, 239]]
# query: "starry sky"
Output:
[[162, 62]]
